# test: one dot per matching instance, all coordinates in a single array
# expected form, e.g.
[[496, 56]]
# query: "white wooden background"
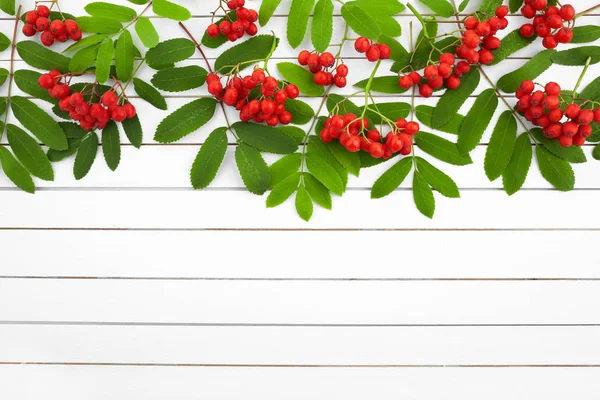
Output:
[[130, 285]]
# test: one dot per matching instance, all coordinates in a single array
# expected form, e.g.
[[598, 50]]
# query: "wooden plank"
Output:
[[296, 346], [102, 382], [146, 253], [301, 302]]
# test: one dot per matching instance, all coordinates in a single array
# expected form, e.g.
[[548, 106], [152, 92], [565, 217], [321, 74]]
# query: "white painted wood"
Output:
[[301, 302], [209, 255], [187, 383], [218, 345]]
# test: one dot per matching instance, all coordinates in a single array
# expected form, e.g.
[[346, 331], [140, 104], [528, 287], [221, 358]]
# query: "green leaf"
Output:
[[440, 7], [3, 75], [2, 105], [169, 52], [265, 138], [437, 179], [317, 191], [111, 145], [325, 173], [88, 148], [124, 56], [246, 53], [72, 130], [510, 44], [344, 105], [4, 42], [185, 120], [577, 56], [133, 131], [59, 155], [301, 112], [283, 190], [148, 93], [360, 21], [300, 77], [86, 42], [111, 11], [463, 5], [170, 10], [391, 111], [220, 40], [392, 178], [502, 144], [424, 114], [253, 169], [389, 7], [267, 8], [488, 7], [398, 51], [596, 152], [298, 21], [104, 60], [388, 25], [209, 159], [423, 195], [83, 59], [531, 70], [516, 172], [383, 84], [180, 79], [27, 81], [320, 150], [8, 6], [477, 120], [139, 2], [38, 122], [441, 149], [15, 171], [284, 167], [99, 25], [421, 56], [304, 204], [586, 34], [515, 5], [29, 153], [556, 171], [147, 32], [350, 161], [452, 100], [322, 25], [40, 57], [592, 91], [573, 154]]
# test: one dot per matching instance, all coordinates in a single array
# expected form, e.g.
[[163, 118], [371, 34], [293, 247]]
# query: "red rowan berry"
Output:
[[303, 57], [412, 128], [471, 22], [579, 140], [376, 150], [42, 24], [553, 130], [76, 36], [258, 75], [528, 11], [252, 16], [342, 70], [285, 117], [496, 24], [71, 26], [232, 4], [567, 12], [320, 78], [415, 77], [463, 67], [572, 111], [118, 114], [551, 10], [213, 30], [325, 136], [327, 60], [225, 27], [62, 37], [252, 29], [555, 115], [401, 123], [543, 121], [585, 131], [564, 35], [453, 82], [483, 28], [267, 106], [31, 17], [281, 96], [353, 144], [292, 91], [552, 89], [43, 11], [109, 99], [57, 27], [585, 117], [254, 107], [431, 72], [28, 30], [485, 56], [436, 82], [270, 82], [384, 51], [597, 115], [46, 81], [425, 90], [374, 135], [273, 120], [565, 141], [527, 86], [527, 30], [501, 11], [313, 60], [554, 21], [447, 58], [405, 82], [362, 44], [340, 81], [373, 53], [570, 129], [550, 42], [537, 98], [539, 4], [542, 29], [491, 42], [47, 38], [536, 111]]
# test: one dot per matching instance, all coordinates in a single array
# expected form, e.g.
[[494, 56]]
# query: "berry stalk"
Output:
[[585, 68], [11, 73]]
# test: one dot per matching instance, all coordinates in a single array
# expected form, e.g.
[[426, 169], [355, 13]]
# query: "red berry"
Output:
[[566, 141], [537, 98], [252, 29], [585, 131], [425, 90], [225, 27], [118, 114], [527, 30], [42, 24], [46, 81], [431, 72], [491, 42], [485, 56], [501, 11], [384, 51], [281, 96], [76, 36], [28, 30], [213, 30], [292, 91], [555, 115], [270, 82], [314, 60], [362, 44], [242, 13], [373, 53], [327, 60], [471, 39], [471, 22], [342, 70], [550, 42], [567, 12], [597, 115], [62, 37], [353, 144], [109, 99], [31, 17], [539, 4], [232, 4], [553, 130], [340, 81], [415, 77], [552, 89], [570, 129], [447, 58], [542, 29], [554, 21], [57, 27], [320, 78], [572, 111], [303, 57], [585, 117], [496, 24], [551, 102], [374, 135], [47, 38], [453, 82], [436, 82], [564, 35], [130, 110], [376, 150], [43, 11], [285, 117], [412, 128], [483, 28], [528, 11], [405, 82], [527, 86], [252, 16], [267, 106], [71, 26], [258, 75], [273, 120]]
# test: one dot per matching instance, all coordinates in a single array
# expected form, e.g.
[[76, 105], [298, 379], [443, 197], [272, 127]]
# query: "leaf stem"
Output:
[[11, 73], [589, 10], [368, 87], [585, 68]]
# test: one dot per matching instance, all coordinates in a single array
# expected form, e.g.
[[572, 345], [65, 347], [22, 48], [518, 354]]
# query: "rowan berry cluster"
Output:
[[353, 133], [570, 126], [90, 114], [549, 24], [321, 66], [57, 30], [267, 107], [245, 22], [446, 72], [372, 51]]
